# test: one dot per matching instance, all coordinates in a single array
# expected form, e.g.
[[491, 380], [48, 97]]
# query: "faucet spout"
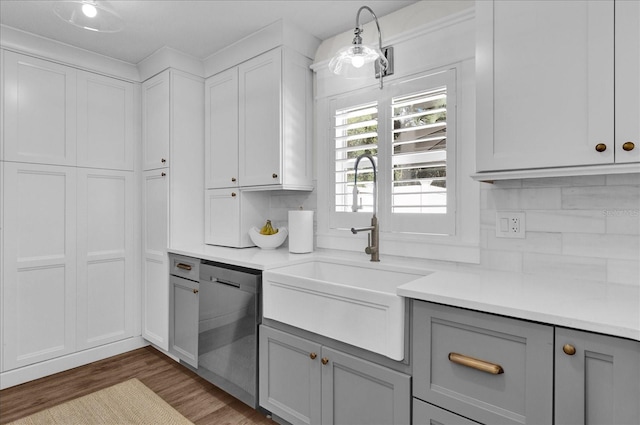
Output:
[[373, 238]]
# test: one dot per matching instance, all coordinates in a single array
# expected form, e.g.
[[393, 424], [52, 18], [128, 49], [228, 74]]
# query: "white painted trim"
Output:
[[586, 170], [278, 33], [45, 48], [166, 57], [24, 374]]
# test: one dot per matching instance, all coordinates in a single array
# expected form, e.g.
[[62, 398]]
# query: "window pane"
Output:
[[419, 155], [356, 132]]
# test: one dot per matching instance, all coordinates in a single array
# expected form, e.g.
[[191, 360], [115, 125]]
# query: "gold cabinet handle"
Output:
[[183, 266], [481, 365], [324, 360], [601, 147], [569, 349], [195, 291], [274, 175], [233, 179], [628, 146], [233, 194], [313, 356]]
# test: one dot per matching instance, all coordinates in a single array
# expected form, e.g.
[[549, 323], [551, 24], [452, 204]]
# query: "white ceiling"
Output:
[[198, 28]]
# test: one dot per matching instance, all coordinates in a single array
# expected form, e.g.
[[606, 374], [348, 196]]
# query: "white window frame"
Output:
[[437, 224]]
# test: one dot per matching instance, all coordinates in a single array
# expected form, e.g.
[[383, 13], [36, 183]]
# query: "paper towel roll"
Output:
[[300, 231]]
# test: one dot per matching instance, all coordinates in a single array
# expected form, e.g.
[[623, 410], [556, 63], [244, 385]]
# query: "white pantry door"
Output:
[[39, 299], [105, 280]]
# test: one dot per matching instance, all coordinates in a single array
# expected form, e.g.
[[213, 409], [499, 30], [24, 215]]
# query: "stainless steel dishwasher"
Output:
[[229, 315]]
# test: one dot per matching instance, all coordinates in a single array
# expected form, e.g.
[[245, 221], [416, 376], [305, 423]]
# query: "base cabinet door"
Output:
[[428, 414], [289, 376], [355, 391], [183, 328], [597, 379], [303, 382]]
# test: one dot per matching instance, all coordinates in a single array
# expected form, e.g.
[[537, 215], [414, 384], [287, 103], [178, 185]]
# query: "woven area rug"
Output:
[[129, 402]]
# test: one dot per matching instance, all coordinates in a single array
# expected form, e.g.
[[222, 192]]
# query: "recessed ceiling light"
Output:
[[89, 10]]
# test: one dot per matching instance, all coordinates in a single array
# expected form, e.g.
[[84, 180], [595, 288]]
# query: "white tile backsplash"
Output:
[[577, 227]]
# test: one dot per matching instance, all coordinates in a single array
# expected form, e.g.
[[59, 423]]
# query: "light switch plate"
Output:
[[510, 224]]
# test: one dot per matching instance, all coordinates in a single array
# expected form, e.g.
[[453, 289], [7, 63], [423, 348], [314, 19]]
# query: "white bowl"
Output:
[[268, 241]]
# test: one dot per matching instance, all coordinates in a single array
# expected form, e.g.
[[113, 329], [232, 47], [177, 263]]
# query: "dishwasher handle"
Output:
[[224, 282]]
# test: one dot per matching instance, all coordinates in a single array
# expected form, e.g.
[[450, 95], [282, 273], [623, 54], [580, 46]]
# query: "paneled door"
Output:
[[106, 122], [155, 269], [39, 267], [39, 111], [105, 283]]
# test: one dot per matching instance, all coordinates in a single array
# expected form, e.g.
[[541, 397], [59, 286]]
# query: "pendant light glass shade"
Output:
[[89, 15], [359, 61], [354, 61]]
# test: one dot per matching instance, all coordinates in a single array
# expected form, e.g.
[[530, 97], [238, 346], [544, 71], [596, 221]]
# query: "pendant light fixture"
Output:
[[355, 60], [89, 15]]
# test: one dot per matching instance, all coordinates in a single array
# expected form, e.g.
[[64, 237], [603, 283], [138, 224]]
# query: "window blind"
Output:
[[356, 132], [419, 152]]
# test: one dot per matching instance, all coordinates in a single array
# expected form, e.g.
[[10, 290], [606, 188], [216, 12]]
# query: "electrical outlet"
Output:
[[510, 224]]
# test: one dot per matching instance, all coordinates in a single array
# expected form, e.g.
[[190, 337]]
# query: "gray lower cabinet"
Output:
[[183, 323], [304, 382], [597, 379], [486, 368], [428, 414]]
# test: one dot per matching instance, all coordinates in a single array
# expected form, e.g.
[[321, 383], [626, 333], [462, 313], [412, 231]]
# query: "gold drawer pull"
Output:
[[601, 147], [183, 266], [628, 146], [195, 291], [313, 356], [481, 365], [324, 360]]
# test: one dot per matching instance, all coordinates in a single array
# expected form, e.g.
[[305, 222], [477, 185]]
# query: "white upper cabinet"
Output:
[[39, 111], [221, 130], [547, 88], [259, 122], [106, 131], [627, 69], [155, 122]]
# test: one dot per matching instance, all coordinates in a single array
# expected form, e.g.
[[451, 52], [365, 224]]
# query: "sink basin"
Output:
[[354, 304]]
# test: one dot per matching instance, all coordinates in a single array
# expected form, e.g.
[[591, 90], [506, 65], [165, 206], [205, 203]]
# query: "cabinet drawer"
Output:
[[488, 368], [428, 414], [186, 267]]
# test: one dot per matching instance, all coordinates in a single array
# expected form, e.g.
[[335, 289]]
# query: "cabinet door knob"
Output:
[[569, 349], [313, 356], [195, 291], [601, 147], [233, 194], [233, 179], [163, 160], [274, 175], [163, 174], [628, 146], [324, 360]]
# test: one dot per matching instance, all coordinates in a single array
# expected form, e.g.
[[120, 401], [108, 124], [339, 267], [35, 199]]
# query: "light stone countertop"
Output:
[[597, 307]]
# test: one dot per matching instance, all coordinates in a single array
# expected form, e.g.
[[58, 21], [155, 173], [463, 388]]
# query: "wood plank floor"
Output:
[[198, 400]]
